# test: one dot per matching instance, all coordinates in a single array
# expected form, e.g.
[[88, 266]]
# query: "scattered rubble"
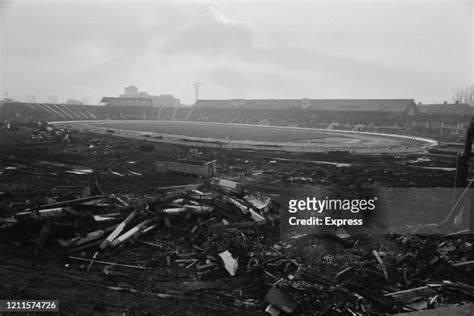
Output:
[[216, 242], [225, 230]]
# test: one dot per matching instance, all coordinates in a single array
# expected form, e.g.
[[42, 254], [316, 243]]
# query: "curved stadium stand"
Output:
[[383, 115]]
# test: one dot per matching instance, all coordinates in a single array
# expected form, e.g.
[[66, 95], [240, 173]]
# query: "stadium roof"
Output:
[[127, 101], [387, 105], [446, 109]]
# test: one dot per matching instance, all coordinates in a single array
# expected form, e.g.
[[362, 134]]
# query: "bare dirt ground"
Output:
[[34, 171]]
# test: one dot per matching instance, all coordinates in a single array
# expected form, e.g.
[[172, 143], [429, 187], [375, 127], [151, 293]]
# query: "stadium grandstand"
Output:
[[351, 111], [446, 117], [121, 101], [401, 116], [34, 112]]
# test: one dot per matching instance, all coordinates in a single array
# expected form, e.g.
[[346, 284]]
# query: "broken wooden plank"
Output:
[[410, 295], [92, 236], [120, 201], [72, 202], [235, 225], [464, 265], [120, 239], [108, 263], [456, 234], [381, 263], [152, 244], [462, 201], [174, 210], [462, 310], [119, 229], [247, 209], [239, 205], [42, 214]]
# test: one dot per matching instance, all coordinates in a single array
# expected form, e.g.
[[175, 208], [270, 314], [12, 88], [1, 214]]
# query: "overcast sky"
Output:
[[238, 49]]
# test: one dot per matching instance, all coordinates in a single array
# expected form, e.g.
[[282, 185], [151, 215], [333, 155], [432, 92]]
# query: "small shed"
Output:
[[204, 169]]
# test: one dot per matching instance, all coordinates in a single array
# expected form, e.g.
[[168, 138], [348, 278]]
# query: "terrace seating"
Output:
[[181, 114], [422, 124]]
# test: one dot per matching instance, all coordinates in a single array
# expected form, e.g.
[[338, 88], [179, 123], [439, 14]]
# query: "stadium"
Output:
[[403, 117], [263, 158]]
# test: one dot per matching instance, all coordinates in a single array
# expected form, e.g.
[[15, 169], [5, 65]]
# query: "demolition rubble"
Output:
[[228, 234], [105, 233]]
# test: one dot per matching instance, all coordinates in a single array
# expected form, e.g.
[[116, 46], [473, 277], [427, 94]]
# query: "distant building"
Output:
[[132, 96], [130, 91]]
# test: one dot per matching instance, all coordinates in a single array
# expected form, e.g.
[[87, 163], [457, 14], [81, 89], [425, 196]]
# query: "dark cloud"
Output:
[[211, 37], [76, 49]]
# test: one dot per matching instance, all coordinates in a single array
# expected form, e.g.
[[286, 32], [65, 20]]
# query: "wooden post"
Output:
[[468, 143], [471, 214], [457, 176], [462, 178], [465, 169], [462, 171]]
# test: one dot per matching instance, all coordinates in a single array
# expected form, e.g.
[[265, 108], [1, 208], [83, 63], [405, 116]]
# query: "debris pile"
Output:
[[343, 171], [50, 132], [215, 231], [433, 273]]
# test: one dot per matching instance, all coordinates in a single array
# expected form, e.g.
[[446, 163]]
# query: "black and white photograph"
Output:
[[237, 157]]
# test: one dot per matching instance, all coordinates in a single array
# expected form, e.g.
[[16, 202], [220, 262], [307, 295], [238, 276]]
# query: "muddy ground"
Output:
[[37, 171]]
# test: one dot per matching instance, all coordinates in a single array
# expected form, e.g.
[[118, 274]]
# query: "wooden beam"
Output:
[[457, 207]]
